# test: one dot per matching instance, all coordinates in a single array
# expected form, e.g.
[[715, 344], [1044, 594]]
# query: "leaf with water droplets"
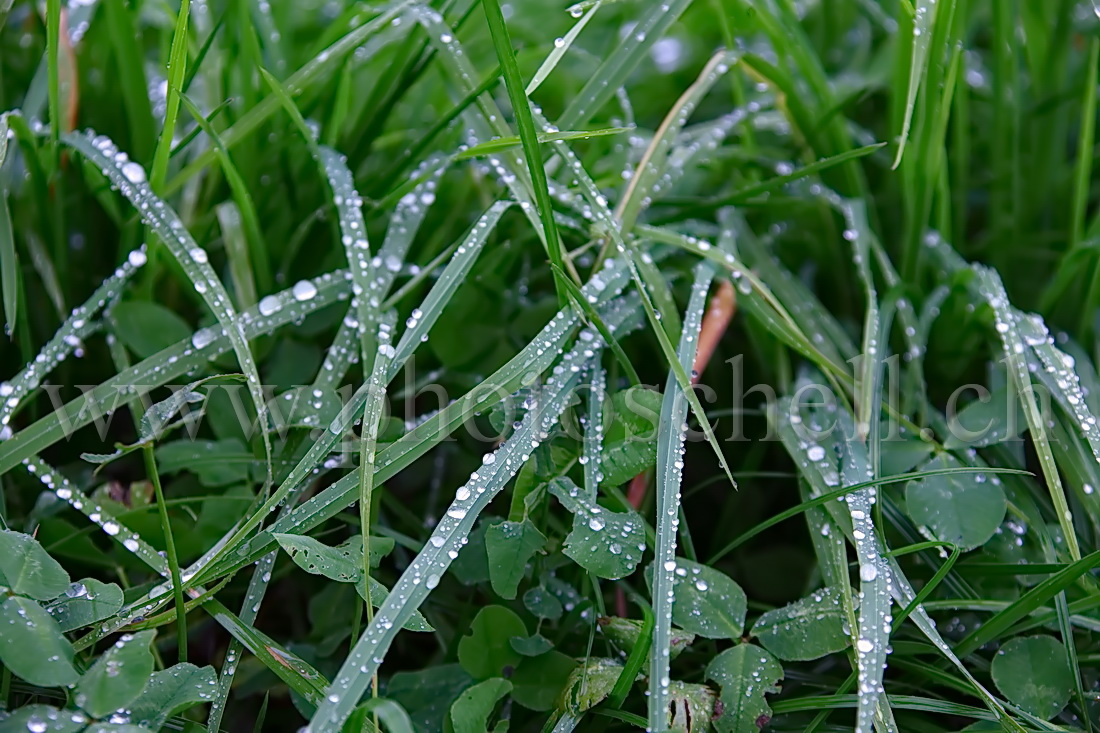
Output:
[[509, 546], [606, 543], [807, 629], [707, 602], [170, 692], [486, 651], [118, 676], [86, 602], [691, 707], [470, 713], [746, 673], [45, 719], [28, 569], [344, 564], [542, 603], [1033, 672], [987, 422], [965, 509], [590, 683], [630, 440], [31, 644]]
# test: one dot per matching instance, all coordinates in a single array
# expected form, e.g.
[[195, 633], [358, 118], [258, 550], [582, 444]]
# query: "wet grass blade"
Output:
[[425, 571], [561, 47], [991, 288], [177, 68], [924, 18], [9, 262], [671, 432], [130, 179], [521, 107]]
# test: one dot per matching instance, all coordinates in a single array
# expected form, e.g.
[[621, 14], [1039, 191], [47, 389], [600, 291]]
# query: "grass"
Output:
[[410, 308]]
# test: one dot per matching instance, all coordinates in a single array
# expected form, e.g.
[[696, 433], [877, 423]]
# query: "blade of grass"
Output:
[[177, 67], [170, 546], [425, 571], [521, 107], [561, 47], [130, 179], [671, 433]]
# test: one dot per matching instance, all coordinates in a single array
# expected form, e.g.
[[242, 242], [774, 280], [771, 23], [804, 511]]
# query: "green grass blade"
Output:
[[426, 570], [130, 179], [617, 67], [272, 312], [671, 432], [924, 18], [521, 107], [9, 262], [177, 68], [561, 47], [991, 288]]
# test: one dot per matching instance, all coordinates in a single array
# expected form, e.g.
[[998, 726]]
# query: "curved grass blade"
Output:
[[991, 288], [671, 433], [924, 19], [521, 107], [304, 78], [270, 313], [424, 573], [617, 67], [130, 179], [69, 338], [593, 428], [561, 46], [655, 159]]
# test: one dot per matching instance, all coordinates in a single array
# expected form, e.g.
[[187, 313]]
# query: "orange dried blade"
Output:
[[717, 319]]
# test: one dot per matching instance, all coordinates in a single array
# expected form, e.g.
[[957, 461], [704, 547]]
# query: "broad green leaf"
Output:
[[32, 647], [486, 650], [606, 543], [510, 546], [344, 564], [982, 423], [590, 683], [538, 681], [28, 569], [85, 602], [470, 713], [146, 328], [45, 719], [118, 677], [542, 603], [630, 440], [390, 714], [707, 602], [1034, 673], [804, 630], [965, 509], [171, 691], [213, 462], [531, 646], [691, 707], [427, 694], [746, 673]]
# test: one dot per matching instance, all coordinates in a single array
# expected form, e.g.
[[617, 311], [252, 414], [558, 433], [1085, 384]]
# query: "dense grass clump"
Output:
[[449, 365]]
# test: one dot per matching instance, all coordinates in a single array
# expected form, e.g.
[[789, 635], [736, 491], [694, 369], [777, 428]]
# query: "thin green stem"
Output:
[[170, 546]]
